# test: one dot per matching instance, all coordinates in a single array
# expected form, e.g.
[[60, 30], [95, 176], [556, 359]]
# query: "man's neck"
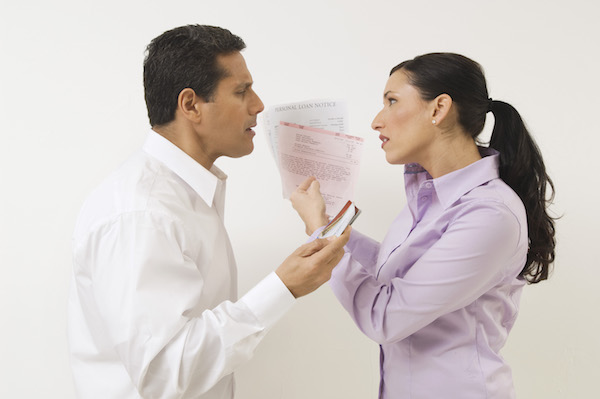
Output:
[[187, 141]]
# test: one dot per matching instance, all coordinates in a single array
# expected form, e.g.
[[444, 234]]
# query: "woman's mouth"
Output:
[[383, 139]]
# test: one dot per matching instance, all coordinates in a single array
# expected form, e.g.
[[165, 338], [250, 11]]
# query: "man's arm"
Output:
[[309, 266], [149, 296]]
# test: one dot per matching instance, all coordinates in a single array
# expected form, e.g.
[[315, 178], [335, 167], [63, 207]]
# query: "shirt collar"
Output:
[[204, 182], [450, 187]]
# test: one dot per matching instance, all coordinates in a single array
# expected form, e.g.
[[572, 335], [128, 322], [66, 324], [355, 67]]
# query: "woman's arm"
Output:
[[473, 255]]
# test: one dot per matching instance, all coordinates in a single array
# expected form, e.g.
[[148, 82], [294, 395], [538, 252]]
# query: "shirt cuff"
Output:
[[358, 240], [316, 233], [269, 300]]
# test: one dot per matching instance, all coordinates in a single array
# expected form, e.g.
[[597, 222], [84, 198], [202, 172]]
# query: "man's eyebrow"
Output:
[[244, 85]]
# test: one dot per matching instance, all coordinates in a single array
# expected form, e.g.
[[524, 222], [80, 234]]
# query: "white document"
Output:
[[339, 222], [325, 114], [332, 157]]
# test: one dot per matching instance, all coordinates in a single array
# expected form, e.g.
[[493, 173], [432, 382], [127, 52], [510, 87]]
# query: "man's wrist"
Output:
[[270, 299]]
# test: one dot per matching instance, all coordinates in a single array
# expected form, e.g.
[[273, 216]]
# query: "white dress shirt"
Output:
[[153, 310]]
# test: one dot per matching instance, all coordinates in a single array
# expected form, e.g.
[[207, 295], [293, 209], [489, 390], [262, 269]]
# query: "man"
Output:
[[153, 311]]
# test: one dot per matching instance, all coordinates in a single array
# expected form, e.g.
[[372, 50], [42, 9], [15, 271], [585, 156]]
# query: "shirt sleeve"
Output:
[[363, 248], [471, 257], [147, 290]]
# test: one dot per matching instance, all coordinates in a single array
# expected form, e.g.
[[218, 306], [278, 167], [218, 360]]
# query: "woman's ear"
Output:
[[441, 108], [190, 105]]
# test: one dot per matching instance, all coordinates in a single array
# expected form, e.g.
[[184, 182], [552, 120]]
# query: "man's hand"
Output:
[[309, 266], [310, 205]]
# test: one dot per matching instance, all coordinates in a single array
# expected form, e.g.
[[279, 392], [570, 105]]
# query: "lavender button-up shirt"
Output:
[[441, 292]]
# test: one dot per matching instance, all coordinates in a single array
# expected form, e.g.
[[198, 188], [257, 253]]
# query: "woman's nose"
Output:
[[377, 122]]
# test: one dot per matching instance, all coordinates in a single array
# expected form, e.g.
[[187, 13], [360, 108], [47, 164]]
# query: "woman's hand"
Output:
[[310, 205]]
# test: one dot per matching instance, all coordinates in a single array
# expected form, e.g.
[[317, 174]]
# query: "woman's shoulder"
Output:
[[494, 196]]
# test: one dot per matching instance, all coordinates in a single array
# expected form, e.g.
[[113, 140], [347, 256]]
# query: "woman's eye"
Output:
[[391, 101]]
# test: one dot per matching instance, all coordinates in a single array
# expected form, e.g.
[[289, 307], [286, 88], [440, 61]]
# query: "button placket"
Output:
[[424, 198]]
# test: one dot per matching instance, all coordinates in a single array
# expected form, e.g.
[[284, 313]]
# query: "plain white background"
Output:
[[72, 109]]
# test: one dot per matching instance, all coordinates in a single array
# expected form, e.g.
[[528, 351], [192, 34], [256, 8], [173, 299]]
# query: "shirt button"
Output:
[[427, 185]]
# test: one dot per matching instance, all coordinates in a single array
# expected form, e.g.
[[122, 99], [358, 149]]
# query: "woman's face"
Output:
[[405, 122]]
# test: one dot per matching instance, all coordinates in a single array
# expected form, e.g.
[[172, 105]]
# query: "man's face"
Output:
[[228, 120]]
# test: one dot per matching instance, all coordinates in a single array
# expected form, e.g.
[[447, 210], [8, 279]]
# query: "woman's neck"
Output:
[[453, 152]]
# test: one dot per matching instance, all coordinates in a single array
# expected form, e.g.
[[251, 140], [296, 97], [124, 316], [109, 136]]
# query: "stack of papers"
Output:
[[309, 139], [343, 219]]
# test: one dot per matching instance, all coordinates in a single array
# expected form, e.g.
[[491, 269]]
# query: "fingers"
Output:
[[311, 264], [338, 243], [329, 245], [335, 250], [306, 183], [345, 237], [342, 240], [310, 248]]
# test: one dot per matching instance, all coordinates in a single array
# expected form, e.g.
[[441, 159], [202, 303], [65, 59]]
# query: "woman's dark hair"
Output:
[[521, 163], [180, 58]]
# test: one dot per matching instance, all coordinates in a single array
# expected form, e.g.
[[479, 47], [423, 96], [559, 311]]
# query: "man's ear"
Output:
[[190, 105], [441, 107]]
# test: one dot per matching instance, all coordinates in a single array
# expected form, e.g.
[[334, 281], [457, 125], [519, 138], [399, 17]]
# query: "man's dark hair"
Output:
[[184, 57]]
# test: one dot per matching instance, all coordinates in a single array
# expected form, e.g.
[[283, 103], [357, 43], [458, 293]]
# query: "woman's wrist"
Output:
[[316, 223]]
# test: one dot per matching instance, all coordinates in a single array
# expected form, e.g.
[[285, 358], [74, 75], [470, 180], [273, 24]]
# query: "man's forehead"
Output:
[[232, 80], [234, 66]]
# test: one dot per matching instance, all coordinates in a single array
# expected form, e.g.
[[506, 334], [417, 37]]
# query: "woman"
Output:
[[440, 293]]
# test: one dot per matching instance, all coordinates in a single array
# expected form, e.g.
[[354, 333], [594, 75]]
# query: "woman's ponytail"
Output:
[[523, 169]]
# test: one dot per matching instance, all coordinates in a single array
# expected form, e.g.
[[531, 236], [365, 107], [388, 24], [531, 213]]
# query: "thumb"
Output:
[[315, 188], [306, 183]]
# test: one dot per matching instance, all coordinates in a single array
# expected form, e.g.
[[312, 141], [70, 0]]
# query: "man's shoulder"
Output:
[[140, 185]]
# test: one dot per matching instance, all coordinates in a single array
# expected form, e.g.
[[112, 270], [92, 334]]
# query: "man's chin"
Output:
[[244, 152]]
